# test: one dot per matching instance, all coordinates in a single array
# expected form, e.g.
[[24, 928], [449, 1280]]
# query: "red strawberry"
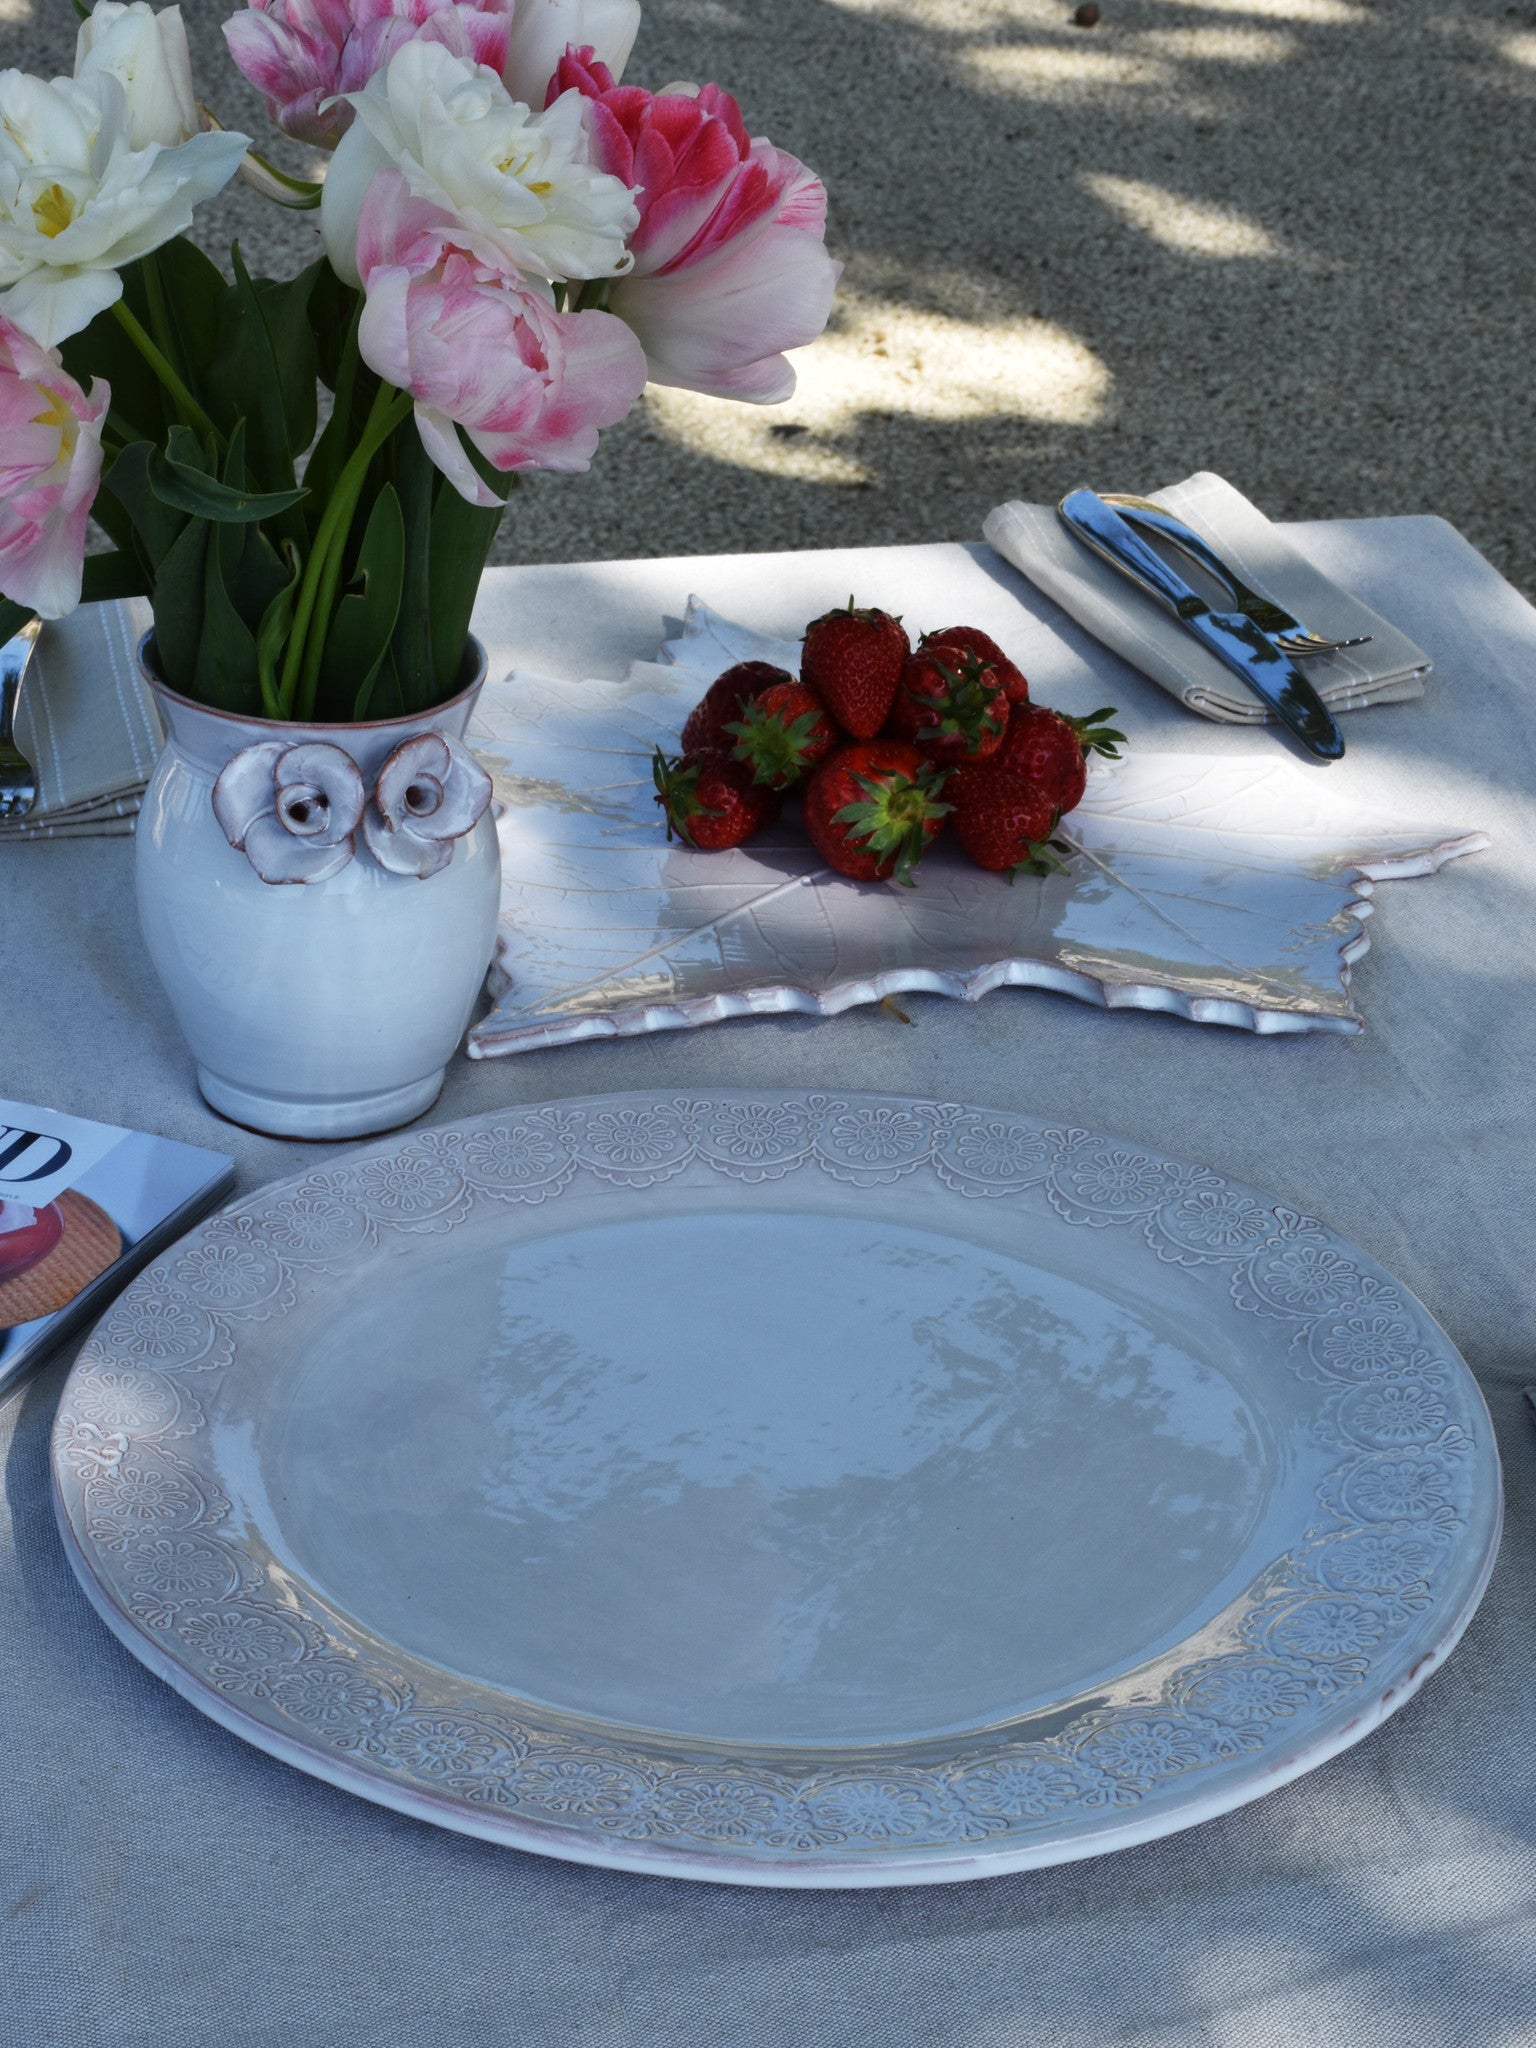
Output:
[[710, 801], [783, 734], [872, 807], [1003, 820], [852, 660], [973, 641], [950, 704], [726, 698], [1051, 749]]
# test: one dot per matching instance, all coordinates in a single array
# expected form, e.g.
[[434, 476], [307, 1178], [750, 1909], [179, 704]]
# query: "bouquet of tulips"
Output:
[[305, 475]]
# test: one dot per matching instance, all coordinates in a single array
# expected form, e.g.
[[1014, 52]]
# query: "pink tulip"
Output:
[[299, 54], [50, 465], [543, 29], [731, 266], [477, 346]]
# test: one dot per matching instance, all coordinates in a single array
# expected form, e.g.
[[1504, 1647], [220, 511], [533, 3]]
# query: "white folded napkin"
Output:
[[87, 723], [1388, 669]]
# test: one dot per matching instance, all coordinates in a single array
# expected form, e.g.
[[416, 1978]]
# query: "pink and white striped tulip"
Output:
[[730, 260], [543, 30], [480, 347], [301, 54], [522, 185], [50, 466]]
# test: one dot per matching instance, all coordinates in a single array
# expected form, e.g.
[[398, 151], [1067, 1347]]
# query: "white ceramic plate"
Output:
[[783, 1489], [1229, 891]]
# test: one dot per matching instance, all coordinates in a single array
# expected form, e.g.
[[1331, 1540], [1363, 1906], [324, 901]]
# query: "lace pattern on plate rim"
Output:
[[158, 1529]]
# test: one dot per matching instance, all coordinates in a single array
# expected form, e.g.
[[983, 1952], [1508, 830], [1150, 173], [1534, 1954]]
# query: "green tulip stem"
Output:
[[317, 592], [186, 404]]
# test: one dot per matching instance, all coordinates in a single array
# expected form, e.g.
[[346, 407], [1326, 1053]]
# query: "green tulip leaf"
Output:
[[177, 598], [226, 673], [104, 350], [192, 289], [253, 571], [461, 539], [126, 486], [365, 618], [179, 480], [112, 575], [263, 369], [272, 633], [415, 478]]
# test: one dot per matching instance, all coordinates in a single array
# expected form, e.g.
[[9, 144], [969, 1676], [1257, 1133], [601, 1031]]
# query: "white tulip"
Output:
[[78, 201], [519, 182], [542, 31], [147, 54]]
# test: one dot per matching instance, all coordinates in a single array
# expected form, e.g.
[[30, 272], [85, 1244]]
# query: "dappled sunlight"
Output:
[[1509, 55], [1079, 73], [1318, 13], [1210, 45], [1190, 227], [969, 17], [1165, 64], [963, 17], [883, 361]]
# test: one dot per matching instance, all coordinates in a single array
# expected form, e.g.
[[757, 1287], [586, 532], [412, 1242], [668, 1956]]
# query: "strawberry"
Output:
[[726, 698], [782, 734], [710, 801], [872, 807], [852, 661], [1003, 820], [971, 640], [1051, 749], [950, 704]]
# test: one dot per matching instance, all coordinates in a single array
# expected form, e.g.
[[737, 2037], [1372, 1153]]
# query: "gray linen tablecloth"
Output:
[[164, 1886]]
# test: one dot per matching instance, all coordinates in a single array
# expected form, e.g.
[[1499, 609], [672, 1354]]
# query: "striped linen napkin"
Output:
[[88, 725], [1387, 670]]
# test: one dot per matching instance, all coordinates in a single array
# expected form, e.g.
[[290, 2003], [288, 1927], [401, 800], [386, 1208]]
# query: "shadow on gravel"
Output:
[[1291, 239], [1294, 240]]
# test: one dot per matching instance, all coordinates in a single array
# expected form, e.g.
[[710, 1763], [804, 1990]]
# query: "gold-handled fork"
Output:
[[18, 779]]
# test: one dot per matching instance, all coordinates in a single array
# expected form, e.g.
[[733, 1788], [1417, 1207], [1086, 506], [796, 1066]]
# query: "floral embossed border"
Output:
[[152, 1521]]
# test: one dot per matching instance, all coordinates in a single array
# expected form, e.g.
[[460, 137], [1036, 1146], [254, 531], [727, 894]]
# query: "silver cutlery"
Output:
[[18, 779], [1232, 637], [1288, 634]]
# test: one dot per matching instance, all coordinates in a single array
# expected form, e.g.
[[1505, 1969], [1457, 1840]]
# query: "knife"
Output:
[[1273, 621], [1233, 638]]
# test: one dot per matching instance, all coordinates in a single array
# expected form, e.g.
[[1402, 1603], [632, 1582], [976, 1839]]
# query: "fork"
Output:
[[1288, 634], [18, 779]]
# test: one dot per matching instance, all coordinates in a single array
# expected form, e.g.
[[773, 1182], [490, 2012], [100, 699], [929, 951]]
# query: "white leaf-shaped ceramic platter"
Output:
[[1230, 892], [780, 1488]]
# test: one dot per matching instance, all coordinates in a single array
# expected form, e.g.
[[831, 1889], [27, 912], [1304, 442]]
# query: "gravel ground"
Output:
[[1293, 240]]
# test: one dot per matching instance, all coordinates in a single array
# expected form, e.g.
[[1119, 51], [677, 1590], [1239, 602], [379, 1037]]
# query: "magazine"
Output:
[[82, 1207]]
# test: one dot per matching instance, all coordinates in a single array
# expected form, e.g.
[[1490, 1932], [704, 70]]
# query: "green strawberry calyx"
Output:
[[892, 818], [1044, 857], [871, 615], [777, 752], [677, 791], [1096, 738], [971, 708]]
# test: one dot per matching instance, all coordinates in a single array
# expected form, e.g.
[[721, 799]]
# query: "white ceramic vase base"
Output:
[[296, 1116], [320, 1009]]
